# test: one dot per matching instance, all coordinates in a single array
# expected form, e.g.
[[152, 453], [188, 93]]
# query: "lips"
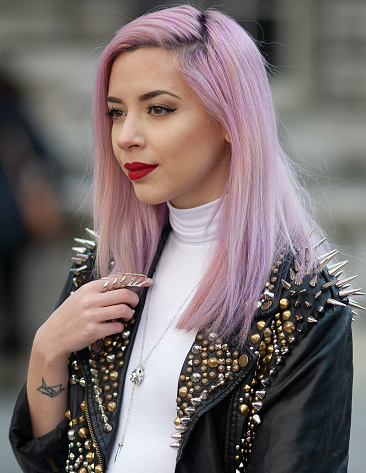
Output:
[[139, 170]]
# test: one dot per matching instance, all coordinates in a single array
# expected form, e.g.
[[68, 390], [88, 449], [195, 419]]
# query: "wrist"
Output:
[[47, 351]]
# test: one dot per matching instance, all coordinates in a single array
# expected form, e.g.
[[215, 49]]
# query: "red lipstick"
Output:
[[139, 170]]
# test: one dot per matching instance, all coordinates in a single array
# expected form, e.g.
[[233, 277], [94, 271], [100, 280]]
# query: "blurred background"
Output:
[[48, 52]]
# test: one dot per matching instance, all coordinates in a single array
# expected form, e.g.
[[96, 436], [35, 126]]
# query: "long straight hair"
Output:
[[264, 209]]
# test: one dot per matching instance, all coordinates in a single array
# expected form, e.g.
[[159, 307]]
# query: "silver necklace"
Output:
[[138, 374]]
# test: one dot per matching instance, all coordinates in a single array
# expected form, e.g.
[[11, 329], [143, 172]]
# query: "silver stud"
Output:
[[335, 267], [257, 419], [312, 320], [92, 233], [354, 304], [319, 243], [313, 282], [260, 394], [331, 301], [175, 444], [285, 284], [329, 284], [327, 256], [349, 292], [346, 281]]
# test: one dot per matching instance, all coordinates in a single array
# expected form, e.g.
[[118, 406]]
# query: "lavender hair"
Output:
[[264, 209]]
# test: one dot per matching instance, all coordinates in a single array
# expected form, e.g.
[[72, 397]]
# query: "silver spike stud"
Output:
[[349, 292], [343, 282], [177, 435], [189, 411], [260, 394], [79, 249], [196, 401], [76, 259], [175, 444], [77, 271], [88, 243], [319, 243], [354, 304], [325, 261], [335, 267], [285, 284], [312, 320], [328, 284], [292, 274], [257, 419], [331, 301], [313, 282], [181, 428], [257, 405], [82, 258], [92, 233], [327, 256], [310, 233]]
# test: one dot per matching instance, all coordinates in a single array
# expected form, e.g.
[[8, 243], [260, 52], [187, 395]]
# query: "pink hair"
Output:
[[264, 209]]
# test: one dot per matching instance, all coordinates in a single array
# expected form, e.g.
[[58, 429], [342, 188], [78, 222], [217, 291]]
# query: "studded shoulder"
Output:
[[303, 301]]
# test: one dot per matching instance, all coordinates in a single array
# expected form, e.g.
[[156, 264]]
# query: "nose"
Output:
[[130, 134]]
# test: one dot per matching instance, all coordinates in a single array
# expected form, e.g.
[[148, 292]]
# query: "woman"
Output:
[[192, 189]]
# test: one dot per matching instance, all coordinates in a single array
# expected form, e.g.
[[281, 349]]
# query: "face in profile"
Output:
[[165, 142]]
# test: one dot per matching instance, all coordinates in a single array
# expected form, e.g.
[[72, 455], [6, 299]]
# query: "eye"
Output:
[[159, 110], [115, 113]]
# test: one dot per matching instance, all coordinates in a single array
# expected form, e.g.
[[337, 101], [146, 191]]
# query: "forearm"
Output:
[[46, 388]]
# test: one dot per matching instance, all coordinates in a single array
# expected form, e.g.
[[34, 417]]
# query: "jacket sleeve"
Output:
[[305, 420], [37, 455], [49, 452]]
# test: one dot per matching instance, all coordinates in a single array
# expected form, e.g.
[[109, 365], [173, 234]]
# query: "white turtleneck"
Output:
[[146, 445]]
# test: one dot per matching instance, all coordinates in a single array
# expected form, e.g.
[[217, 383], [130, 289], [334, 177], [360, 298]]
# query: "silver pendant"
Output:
[[137, 375]]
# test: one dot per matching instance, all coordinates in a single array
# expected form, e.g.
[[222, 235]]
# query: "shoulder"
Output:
[[298, 308]]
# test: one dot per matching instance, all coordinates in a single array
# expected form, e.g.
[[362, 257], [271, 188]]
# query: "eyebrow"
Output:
[[147, 96]]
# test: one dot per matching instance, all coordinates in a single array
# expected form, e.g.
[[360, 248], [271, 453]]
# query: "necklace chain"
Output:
[[137, 375]]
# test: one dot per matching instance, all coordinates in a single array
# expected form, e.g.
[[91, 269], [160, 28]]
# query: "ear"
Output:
[[227, 138]]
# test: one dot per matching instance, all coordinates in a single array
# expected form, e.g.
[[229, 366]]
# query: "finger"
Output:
[[115, 312], [110, 328], [122, 296], [122, 280]]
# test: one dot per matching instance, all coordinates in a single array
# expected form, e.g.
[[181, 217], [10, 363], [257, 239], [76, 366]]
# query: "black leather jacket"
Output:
[[280, 404]]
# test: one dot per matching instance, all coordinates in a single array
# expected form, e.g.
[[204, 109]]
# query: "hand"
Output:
[[96, 310]]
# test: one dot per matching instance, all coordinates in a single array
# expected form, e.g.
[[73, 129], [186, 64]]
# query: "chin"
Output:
[[150, 199]]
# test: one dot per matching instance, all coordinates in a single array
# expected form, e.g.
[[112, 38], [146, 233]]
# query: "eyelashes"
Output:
[[154, 110]]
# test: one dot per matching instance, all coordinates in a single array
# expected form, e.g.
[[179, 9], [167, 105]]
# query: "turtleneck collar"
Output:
[[190, 225]]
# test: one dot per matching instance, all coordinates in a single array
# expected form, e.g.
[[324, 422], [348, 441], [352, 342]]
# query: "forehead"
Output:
[[144, 67]]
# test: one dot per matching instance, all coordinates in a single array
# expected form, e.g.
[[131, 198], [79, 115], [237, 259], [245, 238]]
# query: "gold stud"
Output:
[[243, 360], [213, 362], [111, 406], [89, 457], [286, 314], [261, 324], [288, 326], [284, 303], [267, 332], [183, 391], [83, 433], [243, 409], [113, 375], [255, 338]]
